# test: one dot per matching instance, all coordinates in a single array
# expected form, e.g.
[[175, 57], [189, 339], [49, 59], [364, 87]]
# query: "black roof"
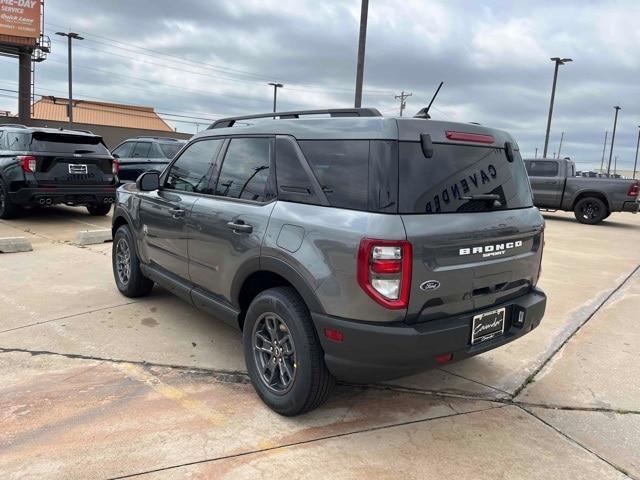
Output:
[[25, 128]]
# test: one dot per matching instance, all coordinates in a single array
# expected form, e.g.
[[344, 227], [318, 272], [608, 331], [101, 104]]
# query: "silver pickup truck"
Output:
[[556, 187]]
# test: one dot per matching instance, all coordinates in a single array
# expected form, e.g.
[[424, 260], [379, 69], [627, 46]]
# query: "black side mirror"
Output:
[[115, 155], [426, 144], [148, 182]]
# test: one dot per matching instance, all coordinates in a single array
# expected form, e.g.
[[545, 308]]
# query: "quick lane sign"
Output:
[[20, 18]]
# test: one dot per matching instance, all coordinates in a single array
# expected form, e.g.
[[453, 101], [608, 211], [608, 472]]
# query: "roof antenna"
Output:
[[424, 113]]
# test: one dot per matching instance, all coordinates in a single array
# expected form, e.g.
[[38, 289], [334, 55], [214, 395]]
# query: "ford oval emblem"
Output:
[[430, 285]]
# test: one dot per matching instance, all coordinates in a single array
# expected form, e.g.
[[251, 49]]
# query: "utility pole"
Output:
[[403, 100], [613, 137], [364, 12], [604, 147], [560, 147], [276, 86], [635, 164], [70, 37], [536, 155], [558, 61]]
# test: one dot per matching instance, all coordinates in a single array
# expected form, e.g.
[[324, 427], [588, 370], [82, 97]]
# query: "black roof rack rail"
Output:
[[334, 112], [13, 125], [158, 138]]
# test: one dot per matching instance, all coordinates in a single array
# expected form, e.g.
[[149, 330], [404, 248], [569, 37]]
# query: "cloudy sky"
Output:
[[203, 59]]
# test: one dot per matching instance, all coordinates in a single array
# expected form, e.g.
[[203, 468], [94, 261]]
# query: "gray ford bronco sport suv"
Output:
[[352, 247]]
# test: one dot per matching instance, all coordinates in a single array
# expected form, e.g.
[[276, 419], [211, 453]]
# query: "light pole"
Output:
[[560, 147], [70, 37], [635, 164], [364, 13], [276, 86], [558, 61], [604, 147], [613, 137]]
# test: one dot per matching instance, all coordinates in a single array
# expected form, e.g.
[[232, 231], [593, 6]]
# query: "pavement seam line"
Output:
[[65, 317], [602, 304], [503, 401], [226, 376], [304, 442], [476, 381], [237, 376], [575, 442]]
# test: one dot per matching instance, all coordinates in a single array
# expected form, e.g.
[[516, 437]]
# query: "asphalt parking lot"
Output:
[[96, 385]]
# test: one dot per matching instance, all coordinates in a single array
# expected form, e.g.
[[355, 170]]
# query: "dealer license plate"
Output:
[[487, 325]]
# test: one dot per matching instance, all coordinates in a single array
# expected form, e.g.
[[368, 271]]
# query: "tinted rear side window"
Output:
[[446, 182], [169, 150], [61, 143], [18, 142], [294, 185], [342, 169]]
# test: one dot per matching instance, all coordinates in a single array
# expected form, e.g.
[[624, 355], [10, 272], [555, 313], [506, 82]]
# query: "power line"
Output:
[[203, 65]]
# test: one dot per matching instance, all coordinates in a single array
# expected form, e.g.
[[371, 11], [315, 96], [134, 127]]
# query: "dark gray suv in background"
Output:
[[353, 247], [140, 154]]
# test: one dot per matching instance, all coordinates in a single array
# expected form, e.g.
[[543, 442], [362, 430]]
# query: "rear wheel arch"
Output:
[[594, 194], [270, 273]]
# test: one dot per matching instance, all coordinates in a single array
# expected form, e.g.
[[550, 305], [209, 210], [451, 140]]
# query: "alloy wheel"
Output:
[[123, 261], [274, 353]]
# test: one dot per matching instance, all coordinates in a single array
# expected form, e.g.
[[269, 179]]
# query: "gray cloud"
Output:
[[492, 56]]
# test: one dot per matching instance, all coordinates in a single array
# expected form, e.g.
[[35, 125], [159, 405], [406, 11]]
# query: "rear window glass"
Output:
[[61, 143], [542, 168], [342, 169], [448, 181], [169, 150]]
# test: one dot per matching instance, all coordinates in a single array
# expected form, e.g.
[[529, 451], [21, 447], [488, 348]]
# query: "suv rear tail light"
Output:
[[115, 167], [384, 271], [27, 163], [633, 190]]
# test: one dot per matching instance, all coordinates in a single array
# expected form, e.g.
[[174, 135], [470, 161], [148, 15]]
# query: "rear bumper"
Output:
[[53, 195], [374, 352], [633, 207]]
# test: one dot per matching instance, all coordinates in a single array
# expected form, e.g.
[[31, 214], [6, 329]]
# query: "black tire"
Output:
[[7, 208], [590, 210], [99, 209], [311, 382], [131, 282]]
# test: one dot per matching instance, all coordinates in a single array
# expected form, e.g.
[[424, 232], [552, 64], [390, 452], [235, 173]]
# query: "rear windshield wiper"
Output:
[[486, 196]]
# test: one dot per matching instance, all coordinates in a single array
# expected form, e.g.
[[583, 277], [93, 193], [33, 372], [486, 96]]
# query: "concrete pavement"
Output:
[[95, 385]]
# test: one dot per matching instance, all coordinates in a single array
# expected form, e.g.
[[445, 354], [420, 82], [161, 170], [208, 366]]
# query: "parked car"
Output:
[[46, 166], [353, 247], [141, 154], [591, 199]]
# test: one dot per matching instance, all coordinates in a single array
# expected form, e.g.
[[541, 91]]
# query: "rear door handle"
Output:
[[177, 213], [240, 227]]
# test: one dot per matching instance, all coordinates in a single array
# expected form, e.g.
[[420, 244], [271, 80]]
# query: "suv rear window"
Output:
[[61, 143], [440, 184]]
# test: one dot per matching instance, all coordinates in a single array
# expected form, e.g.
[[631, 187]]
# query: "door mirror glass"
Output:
[[148, 181]]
